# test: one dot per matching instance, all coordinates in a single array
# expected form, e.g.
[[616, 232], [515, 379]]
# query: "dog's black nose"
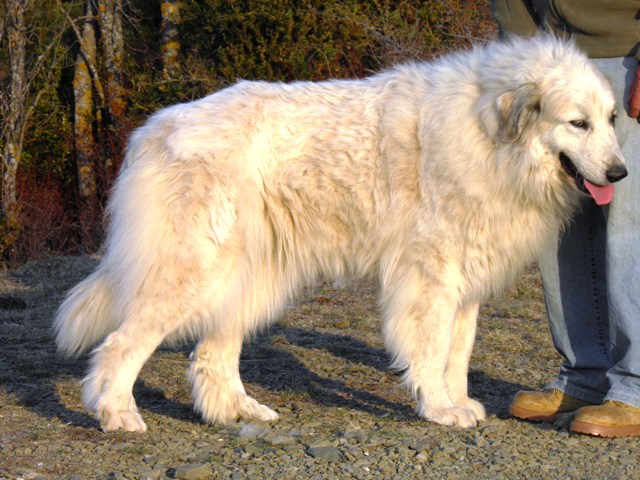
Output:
[[617, 172]]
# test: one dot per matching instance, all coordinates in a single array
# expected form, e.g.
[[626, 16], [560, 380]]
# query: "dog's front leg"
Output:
[[420, 314], [456, 375]]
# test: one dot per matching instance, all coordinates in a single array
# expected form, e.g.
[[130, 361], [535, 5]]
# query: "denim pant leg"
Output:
[[574, 280], [623, 250], [592, 281]]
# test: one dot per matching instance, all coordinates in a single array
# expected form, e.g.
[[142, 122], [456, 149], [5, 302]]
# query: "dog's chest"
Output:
[[494, 247]]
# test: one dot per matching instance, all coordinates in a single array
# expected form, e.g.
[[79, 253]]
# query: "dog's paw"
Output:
[[249, 408], [219, 406], [452, 416], [127, 420], [470, 404], [114, 411], [476, 407]]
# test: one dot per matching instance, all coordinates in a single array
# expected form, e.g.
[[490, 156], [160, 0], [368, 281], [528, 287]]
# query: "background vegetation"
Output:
[[94, 69]]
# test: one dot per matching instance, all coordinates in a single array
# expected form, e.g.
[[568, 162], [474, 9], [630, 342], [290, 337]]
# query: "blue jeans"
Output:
[[592, 279]]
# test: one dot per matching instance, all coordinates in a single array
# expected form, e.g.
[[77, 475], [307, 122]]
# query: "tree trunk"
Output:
[[112, 40], [170, 10], [10, 160], [29, 61], [83, 129], [84, 112], [15, 110]]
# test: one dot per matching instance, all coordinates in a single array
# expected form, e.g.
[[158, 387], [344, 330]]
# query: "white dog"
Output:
[[442, 179]]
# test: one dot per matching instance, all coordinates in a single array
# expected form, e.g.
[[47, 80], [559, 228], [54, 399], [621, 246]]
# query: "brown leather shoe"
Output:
[[611, 419], [544, 406]]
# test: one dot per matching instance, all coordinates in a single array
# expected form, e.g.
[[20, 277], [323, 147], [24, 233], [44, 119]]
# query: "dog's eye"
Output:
[[581, 124], [612, 120]]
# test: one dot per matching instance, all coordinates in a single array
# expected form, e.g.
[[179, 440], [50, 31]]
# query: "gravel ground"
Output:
[[343, 413]]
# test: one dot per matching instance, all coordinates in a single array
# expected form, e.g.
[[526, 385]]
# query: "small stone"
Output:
[[193, 471], [326, 453], [275, 439], [573, 442], [30, 476], [354, 453], [156, 460], [354, 432], [153, 474], [424, 443], [252, 431], [120, 446], [481, 441]]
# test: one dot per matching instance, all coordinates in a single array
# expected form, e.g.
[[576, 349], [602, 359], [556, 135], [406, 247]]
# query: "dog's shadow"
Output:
[[271, 368], [263, 364], [32, 373], [282, 371]]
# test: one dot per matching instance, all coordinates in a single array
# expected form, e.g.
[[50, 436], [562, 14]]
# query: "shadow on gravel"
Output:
[[494, 394], [32, 370], [275, 369], [291, 364], [154, 400], [32, 374]]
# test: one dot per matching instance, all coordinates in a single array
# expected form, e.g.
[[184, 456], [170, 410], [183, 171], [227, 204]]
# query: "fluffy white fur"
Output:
[[442, 179]]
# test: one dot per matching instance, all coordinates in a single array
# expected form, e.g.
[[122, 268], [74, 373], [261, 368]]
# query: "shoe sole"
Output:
[[604, 431], [532, 415]]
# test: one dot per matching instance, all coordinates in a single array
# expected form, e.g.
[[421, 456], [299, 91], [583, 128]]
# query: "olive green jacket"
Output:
[[602, 28]]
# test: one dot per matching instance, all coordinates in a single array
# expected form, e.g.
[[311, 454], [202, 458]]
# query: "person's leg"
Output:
[[619, 414], [575, 295], [598, 257], [623, 248], [574, 280]]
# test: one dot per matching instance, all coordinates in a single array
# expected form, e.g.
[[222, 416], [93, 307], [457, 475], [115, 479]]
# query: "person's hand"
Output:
[[634, 95]]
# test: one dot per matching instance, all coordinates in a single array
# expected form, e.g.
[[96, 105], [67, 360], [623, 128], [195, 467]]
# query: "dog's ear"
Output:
[[516, 109]]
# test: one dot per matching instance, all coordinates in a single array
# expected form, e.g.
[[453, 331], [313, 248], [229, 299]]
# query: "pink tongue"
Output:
[[601, 194]]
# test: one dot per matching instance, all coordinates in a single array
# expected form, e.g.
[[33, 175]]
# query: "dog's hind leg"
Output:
[[218, 392], [107, 389], [456, 376]]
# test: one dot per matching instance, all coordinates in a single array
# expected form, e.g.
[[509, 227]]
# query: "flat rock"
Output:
[[252, 431], [424, 443], [326, 452], [193, 471]]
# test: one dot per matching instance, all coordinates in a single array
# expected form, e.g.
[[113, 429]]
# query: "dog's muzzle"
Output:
[[602, 194]]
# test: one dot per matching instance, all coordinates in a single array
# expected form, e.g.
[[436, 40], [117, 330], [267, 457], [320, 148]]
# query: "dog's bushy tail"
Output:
[[86, 315]]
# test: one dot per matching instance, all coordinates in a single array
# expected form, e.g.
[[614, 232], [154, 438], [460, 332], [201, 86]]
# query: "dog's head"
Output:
[[566, 115]]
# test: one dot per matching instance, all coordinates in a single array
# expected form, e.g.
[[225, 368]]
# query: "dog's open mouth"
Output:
[[571, 170], [602, 194]]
